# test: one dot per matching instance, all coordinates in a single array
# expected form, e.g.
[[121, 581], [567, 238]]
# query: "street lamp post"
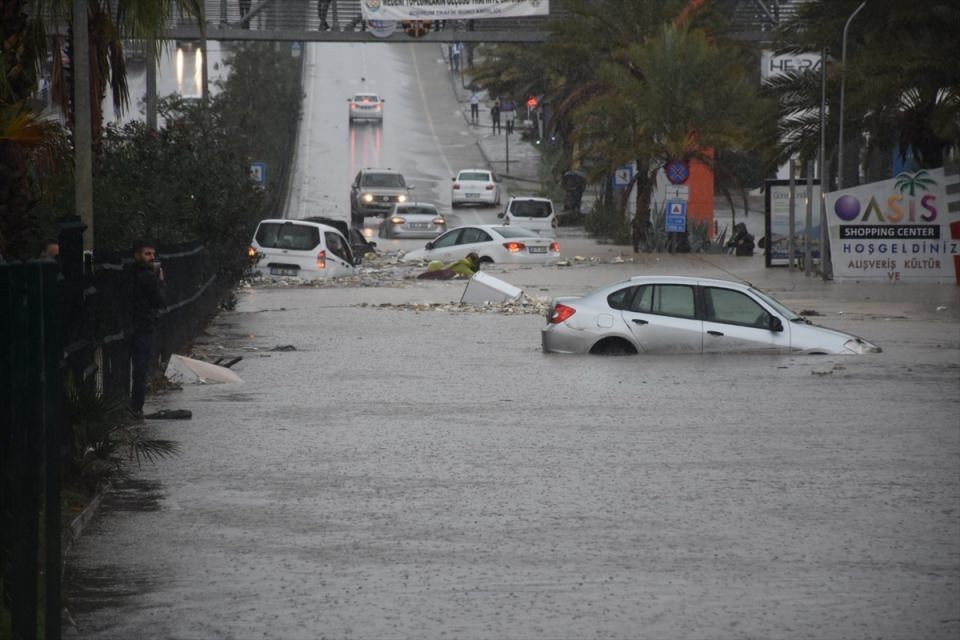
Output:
[[843, 86]]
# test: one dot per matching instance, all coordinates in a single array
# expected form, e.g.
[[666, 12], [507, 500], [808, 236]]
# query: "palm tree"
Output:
[[681, 94], [903, 84]]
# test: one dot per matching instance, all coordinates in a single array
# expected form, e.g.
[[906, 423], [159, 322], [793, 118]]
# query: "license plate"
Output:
[[418, 225], [385, 198], [276, 271], [537, 249], [472, 195]]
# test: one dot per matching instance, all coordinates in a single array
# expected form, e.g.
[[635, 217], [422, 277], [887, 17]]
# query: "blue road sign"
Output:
[[258, 172], [675, 214], [623, 176]]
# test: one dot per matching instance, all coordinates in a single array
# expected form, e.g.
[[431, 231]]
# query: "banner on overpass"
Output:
[[452, 9]]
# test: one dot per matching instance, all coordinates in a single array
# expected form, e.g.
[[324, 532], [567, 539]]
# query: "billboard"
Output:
[[453, 10], [897, 229], [777, 229]]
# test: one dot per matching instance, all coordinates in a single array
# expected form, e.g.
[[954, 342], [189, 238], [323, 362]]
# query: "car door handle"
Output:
[[639, 321], [715, 333]]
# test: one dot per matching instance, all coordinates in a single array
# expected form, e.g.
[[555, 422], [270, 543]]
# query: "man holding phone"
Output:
[[148, 299]]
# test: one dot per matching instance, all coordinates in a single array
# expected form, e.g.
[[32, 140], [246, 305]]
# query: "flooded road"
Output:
[[433, 474]]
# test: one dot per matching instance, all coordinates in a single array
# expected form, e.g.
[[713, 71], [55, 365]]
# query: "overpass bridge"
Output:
[[298, 20]]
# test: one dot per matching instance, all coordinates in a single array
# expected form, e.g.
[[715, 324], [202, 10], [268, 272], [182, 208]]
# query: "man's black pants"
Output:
[[141, 352]]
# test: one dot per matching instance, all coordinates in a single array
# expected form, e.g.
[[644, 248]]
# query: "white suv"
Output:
[[301, 249], [536, 214]]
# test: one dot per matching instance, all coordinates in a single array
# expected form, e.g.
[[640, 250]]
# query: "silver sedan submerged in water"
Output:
[[651, 314]]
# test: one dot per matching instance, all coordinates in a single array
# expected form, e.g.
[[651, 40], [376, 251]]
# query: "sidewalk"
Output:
[[523, 167]]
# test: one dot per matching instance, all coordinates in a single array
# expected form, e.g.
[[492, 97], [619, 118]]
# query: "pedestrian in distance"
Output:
[[323, 7], [508, 109], [149, 289], [244, 10], [456, 51], [474, 107], [495, 117]]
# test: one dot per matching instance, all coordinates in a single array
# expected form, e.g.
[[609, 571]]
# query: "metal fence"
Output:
[[71, 318]]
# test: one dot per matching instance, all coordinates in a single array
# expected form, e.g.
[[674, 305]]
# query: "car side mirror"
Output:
[[501, 214], [453, 179], [411, 187], [428, 246], [349, 100], [775, 324]]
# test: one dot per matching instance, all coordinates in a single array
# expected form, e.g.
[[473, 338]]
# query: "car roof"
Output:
[[306, 223], [416, 204], [687, 280], [370, 95], [474, 171], [372, 170], [496, 227], [537, 198]]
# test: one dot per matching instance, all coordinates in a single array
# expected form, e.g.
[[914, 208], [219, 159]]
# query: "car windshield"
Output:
[[391, 180], [515, 232], [417, 209], [531, 208], [286, 235], [481, 176], [778, 306], [365, 98]]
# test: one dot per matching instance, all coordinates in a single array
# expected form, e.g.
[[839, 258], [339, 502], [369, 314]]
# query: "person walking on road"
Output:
[[323, 8], [474, 107], [149, 298], [508, 108], [495, 117]]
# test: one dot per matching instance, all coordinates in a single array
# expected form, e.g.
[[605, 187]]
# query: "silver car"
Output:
[[670, 314], [413, 220]]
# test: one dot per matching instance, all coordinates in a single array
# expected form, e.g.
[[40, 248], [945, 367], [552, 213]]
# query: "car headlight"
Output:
[[402, 197], [367, 197], [860, 346]]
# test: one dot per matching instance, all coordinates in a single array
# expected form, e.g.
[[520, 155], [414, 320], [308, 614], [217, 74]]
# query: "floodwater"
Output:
[[433, 474]]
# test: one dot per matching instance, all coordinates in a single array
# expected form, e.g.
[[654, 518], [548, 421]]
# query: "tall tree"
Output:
[[902, 81]]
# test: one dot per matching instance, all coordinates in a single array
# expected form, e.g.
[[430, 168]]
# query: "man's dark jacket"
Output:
[[148, 298]]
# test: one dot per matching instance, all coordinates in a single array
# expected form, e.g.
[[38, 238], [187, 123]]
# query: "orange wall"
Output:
[[700, 205]]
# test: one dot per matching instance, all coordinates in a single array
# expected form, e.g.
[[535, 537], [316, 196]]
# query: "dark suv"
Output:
[[374, 192]]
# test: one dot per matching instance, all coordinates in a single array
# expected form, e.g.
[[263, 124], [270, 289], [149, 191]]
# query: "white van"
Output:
[[301, 249], [536, 214]]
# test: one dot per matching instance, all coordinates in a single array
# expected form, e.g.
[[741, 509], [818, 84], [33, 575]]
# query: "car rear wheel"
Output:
[[486, 260], [613, 347]]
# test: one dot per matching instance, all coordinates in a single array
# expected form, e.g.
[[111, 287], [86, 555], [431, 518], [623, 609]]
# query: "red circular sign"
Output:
[[677, 171]]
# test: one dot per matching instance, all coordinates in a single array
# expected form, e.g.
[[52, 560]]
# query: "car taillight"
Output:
[[353, 106], [489, 187], [513, 247], [555, 246], [561, 312], [251, 252], [322, 259], [439, 221], [456, 187], [397, 220]]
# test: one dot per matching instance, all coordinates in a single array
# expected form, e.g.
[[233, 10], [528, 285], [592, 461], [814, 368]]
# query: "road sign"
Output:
[[675, 216], [258, 173], [623, 176], [677, 171], [677, 192]]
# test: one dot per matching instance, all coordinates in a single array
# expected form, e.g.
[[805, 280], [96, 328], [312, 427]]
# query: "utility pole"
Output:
[[843, 88], [151, 72], [82, 128]]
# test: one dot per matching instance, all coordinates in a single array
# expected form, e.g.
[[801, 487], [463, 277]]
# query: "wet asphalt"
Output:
[[433, 474]]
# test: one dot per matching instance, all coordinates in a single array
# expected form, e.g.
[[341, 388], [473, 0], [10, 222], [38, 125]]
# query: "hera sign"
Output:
[[452, 10]]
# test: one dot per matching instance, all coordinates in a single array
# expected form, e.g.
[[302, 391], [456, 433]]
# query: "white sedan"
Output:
[[474, 186], [493, 243], [673, 314]]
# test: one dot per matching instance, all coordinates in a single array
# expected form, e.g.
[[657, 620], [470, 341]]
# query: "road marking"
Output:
[[426, 111]]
